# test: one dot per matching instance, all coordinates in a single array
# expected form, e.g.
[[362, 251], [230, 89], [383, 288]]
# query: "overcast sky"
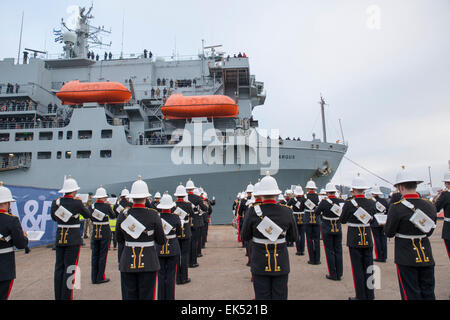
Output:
[[382, 66]]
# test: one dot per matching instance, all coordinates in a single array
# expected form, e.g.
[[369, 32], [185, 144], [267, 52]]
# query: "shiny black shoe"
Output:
[[186, 281], [300, 253], [195, 265], [199, 255], [103, 281], [331, 278]]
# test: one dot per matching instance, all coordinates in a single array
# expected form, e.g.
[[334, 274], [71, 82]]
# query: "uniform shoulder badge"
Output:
[[398, 202]]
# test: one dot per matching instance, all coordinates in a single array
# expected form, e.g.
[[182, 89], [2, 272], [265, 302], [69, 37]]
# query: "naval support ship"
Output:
[[103, 142]]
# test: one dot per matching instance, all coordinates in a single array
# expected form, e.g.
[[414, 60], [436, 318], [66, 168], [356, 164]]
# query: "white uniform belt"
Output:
[[308, 210], [331, 219], [68, 225], [267, 241], [6, 250], [356, 225], [447, 219], [298, 212], [171, 236], [101, 223], [406, 236], [140, 244]]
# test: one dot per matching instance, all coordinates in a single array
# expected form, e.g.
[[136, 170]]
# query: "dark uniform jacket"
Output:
[[310, 217], [397, 196], [152, 205], [384, 202], [271, 259], [141, 259], [295, 204], [358, 237], [199, 207], [206, 214], [11, 236], [171, 247], [410, 252], [443, 203], [186, 232], [324, 210], [124, 203], [66, 236], [103, 231]]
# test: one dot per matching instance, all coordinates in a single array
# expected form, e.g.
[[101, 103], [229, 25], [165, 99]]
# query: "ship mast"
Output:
[[322, 107], [86, 35]]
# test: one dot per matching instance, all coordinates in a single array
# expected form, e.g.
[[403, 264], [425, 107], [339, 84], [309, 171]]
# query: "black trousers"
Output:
[[65, 266], [416, 283], [183, 264], [114, 238], [447, 246], [99, 250], [199, 240], [196, 235], [332, 244], [361, 259], [205, 234], [313, 242], [380, 243], [300, 243], [5, 289], [167, 277], [270, 287], [139, 285]]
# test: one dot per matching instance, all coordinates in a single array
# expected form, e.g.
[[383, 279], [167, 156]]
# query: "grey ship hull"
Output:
[[298, 162]]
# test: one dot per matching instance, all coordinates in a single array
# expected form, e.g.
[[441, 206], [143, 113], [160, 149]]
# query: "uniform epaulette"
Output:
[[398, 202], [10, 214], [151, 209], [285, 205]]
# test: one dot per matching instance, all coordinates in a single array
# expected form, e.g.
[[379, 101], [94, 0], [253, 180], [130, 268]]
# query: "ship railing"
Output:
[[163, 140], [33, 125], [15, 163]]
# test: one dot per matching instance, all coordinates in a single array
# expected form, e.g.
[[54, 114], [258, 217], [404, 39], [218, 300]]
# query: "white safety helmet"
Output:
[[124, 193], [376, 190], [406, 176], [311, 184], [180, 191], [447, 176], [281, 197], [243, 195], [256, 188], [250, 188], [190, 185], [166, 202], [330, 187], [139, 189], [268, 186], [322, 192], [157, 195], [69, 185], [298, 191], [359, 183], [100, 193], [5, 194], [287, 192]]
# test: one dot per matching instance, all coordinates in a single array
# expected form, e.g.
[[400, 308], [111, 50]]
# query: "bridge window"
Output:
[[24, 136], [69, 135], [68, 154], [45, 135], [4, 137], [59, 155], [107, 134], [60, 135], [105, 153], [83, 154], [85, 134], [44, 155]]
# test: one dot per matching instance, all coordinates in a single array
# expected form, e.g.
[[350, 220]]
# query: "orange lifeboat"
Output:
[[76, 92], [178, 106]]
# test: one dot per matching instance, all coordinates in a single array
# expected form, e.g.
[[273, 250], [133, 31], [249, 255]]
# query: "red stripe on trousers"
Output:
[[74, 272], [447, 249], [375, 245], [401, 283], [326, 258], [353, 274], [154, 289], [10, 287]]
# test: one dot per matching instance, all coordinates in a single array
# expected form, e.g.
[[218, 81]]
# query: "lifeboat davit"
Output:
[[76, 92], [178, 106]]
